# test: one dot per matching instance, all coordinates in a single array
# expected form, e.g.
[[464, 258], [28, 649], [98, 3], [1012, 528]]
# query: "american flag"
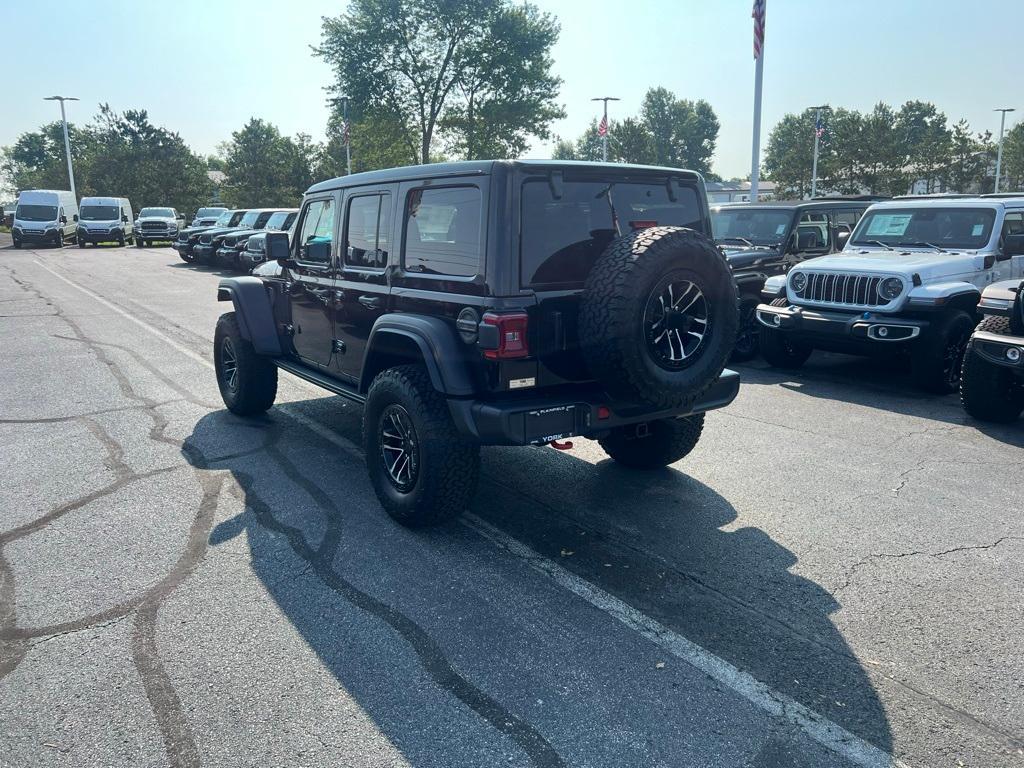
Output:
[[345, 137], [758, 16], [819, 128], [602, 128]]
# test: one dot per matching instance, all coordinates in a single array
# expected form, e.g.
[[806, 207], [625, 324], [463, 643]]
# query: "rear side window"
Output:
[[442, 231], [562, 237], [369, 222]]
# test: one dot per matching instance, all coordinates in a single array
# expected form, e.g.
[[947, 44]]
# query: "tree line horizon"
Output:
[[476, 82]]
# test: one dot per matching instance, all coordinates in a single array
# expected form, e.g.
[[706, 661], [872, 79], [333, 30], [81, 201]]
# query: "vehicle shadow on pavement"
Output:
[[660, 541], [883, 384]]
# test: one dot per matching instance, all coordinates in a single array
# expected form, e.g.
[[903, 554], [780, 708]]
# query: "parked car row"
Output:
[[236, 239], [54, 217]]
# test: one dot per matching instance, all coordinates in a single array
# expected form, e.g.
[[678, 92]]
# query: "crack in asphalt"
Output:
[[172, 723]]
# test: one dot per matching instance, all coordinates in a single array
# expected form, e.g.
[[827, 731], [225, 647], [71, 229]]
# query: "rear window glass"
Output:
[[442, 231], [561, 238]]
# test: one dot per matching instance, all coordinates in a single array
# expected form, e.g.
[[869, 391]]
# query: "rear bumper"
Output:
[[994, 348], [867, 327], [535, 421]]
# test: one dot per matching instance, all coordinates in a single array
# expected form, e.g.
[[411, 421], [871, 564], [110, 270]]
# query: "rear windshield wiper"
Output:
[[922, 244]]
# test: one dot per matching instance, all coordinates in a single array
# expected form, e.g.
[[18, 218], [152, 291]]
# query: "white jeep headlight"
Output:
[[890, 288], [798, 281]]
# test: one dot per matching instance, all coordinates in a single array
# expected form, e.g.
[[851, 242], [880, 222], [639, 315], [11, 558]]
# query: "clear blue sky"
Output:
[[203, 67]]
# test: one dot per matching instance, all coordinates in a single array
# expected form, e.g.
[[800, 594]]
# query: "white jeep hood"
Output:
[[930, 265]]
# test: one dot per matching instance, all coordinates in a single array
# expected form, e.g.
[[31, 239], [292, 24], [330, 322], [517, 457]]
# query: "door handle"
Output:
[[371, 302]]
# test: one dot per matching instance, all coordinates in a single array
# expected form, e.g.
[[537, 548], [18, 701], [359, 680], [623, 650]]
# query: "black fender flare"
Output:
[[444, 354], [254, 312]]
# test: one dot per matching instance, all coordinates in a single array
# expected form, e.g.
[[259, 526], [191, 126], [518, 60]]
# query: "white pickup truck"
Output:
[[909, 278]]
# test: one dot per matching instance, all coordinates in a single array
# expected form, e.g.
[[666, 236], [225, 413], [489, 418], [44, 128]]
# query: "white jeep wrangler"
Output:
[[908, 279]]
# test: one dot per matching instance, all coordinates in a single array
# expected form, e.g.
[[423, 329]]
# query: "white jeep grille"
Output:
[[841, 289]]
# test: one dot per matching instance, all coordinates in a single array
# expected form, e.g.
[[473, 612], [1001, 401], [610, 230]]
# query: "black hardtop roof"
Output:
[[483, 168], [792, 205]]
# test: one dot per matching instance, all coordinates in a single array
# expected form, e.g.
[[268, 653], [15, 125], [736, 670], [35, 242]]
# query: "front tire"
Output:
[[748, 337], [247, 381], [779, 349], [423, 471], [938, 358], [653, 445], [990, 392]]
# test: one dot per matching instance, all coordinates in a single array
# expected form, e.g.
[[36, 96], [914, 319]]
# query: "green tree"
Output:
[[148, 164], [1012, 169], [447, 68], [968, 159], [267, 169], [789, 155], [377, 142], [37, 160], [631, 141], [684, 132]]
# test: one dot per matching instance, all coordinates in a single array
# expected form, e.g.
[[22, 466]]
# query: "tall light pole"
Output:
[[67, 142], [348, 136], [999, 152], [817, 136], [603, 128], [758, 15]]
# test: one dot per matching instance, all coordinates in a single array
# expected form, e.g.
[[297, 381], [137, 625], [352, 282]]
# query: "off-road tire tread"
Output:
[[742, 357], [778, 354], [257, 374], [926, 357], [670, 440], [450, 474], [610, 295], [989, 392]]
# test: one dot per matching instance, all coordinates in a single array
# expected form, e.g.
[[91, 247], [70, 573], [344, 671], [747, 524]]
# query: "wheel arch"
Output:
[[254, 311], [399, 339]]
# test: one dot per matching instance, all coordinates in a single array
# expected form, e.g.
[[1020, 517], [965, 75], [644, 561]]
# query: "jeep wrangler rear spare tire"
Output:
[[990, 392], [247, 381], [655, 444], [422, 470], [659, 316]]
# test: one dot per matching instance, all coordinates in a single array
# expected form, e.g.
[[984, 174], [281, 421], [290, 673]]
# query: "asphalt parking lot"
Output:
[[832, 578]]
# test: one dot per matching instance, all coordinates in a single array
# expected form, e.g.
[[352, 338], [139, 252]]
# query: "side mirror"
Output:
[[1013, 245], [277, 248], [124, 219], [843, 232], [64, 219], [76, 217], [793, 244]]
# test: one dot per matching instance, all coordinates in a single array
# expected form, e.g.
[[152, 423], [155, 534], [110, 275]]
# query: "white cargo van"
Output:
[[105, 220], [45, 216]]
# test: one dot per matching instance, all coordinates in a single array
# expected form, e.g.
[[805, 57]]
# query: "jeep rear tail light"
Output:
[[511, 329]]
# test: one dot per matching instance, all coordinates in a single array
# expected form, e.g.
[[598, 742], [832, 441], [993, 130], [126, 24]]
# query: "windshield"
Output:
[[99, 213], [750, 225], [164, 213], [249, 219], [36, 213], [279, 220], [204, 213], [224, 220], [926, 227], [563, 235]]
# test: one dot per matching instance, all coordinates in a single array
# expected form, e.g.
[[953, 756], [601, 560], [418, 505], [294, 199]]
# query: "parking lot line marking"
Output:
[[830, 735], [110, 305], [819, 728]]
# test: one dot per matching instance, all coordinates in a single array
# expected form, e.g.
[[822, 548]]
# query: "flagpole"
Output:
[[755, 158], [814, 164], [604, 122], [348, 138]]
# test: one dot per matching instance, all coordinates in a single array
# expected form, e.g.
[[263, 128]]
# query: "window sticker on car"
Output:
[[780, 230], [889, 225], [977, 229]]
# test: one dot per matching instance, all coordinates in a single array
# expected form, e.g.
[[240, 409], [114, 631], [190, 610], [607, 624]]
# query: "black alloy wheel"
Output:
[[676, 321], [953, 357], [399, 447], [229, 365]]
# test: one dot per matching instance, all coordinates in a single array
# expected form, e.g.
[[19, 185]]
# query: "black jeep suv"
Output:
[[188, 238], [764, 239], [491, 303]]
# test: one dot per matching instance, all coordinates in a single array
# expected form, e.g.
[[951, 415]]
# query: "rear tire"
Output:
[[779, 349], [247, 381], [423, 471], [990, 392], [938, 358], [666, 442]]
